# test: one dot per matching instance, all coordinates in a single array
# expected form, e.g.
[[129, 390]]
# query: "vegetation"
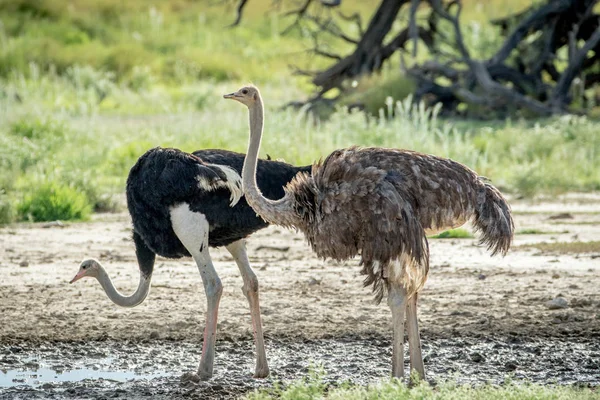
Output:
[[315, 387], [87, 86], [534, 231], [457, 233], [53, 201], [565, 247]]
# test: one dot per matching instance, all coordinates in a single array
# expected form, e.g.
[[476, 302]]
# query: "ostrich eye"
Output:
[[245, 91], [84, 267]]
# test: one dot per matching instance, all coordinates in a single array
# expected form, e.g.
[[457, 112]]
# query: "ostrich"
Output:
[[380, 203], [180, 204]]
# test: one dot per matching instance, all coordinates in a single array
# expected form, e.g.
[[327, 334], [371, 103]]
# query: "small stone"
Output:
[[477, 357], [154, 335], [312, 281], [561, 216], [481, 277], [511, 365], [24, 263], [557, 303], [555, 276]]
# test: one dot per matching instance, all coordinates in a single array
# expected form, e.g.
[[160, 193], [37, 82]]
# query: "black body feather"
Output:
[[162, 178]]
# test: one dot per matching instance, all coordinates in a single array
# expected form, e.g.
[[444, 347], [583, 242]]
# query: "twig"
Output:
[[240, 10], [353, 18], [326, 27], [299, 15]]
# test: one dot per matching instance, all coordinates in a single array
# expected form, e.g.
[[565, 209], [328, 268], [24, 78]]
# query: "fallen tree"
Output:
[[549, 56]]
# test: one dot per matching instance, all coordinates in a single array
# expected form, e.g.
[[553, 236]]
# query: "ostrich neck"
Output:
[[280, 211], [125, 301]]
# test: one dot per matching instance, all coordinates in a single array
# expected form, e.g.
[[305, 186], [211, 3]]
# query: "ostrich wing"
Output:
[[182, 176], [363, 207]]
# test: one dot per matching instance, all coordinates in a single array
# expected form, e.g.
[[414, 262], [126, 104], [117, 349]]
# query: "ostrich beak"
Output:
[[229, 96], [78, 276]]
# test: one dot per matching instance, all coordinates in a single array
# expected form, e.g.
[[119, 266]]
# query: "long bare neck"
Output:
[[124, 301], [280, 211]]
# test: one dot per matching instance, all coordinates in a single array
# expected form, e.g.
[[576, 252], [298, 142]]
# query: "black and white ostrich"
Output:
[[181, 204]]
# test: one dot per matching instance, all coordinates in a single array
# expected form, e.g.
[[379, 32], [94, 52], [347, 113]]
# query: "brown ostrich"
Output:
[[380, 204]]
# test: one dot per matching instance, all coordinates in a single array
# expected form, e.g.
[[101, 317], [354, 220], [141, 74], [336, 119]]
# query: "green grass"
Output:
[[86, 130], [315, 387], [564, 247], [54, 201], [87, 86], [458, 233], [534, 231]]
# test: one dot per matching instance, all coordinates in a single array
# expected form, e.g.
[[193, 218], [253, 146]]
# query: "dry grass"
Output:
[[563, 247]]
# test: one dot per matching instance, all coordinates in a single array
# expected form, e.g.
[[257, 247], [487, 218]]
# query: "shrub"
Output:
[[54, 201], [37, 128], [6, 209]]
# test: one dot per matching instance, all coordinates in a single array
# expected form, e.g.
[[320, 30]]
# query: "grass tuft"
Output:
[[534, 231], [53, 201], [315, 387], [458, 233]]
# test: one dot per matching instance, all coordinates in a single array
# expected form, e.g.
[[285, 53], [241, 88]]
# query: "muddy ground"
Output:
[[482, 319]]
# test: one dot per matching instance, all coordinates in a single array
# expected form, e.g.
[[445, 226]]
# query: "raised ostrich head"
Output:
[[90, 268], [247, 95]]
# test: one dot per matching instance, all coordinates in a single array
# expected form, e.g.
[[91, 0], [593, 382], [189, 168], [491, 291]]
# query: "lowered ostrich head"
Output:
[[247, 95], [89, 268]]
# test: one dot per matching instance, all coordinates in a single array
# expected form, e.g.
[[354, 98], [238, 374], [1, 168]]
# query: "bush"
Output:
[[54, 201], [6, 210], [38, 129]]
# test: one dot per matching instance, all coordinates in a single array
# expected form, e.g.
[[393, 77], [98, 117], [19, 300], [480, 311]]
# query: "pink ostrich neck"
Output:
[[278, 212]]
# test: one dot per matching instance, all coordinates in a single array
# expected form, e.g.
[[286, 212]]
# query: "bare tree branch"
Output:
[[413, 30], [353, 18], [240, 10], [335, 31], [300, 12], [561, 89], [534, 21]]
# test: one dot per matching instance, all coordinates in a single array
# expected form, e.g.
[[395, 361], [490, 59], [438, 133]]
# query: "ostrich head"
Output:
[[89, 268], [247, 95]]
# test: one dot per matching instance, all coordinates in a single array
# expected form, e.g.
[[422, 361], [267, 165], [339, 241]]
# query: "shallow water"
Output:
[[138, 370]]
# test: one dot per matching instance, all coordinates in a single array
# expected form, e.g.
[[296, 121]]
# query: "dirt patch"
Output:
[[469, 299]]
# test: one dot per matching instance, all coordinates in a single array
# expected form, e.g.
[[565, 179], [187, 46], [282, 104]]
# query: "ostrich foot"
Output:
[[261, 372], [194, 377]]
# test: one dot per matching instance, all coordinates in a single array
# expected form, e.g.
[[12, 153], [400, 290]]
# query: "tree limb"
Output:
[[239, 11], [534, 21], [559, 94], [413, 30]]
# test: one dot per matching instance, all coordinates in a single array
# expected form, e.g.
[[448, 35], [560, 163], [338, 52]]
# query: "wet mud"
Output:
[[533, 315], [138, 370]]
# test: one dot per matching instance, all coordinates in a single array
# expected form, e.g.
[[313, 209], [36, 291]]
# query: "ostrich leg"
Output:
[[250, 289], [397, 303], [192, 230], [414, 341]]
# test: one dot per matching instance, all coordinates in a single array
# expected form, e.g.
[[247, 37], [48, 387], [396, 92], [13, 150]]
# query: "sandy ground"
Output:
[[468, 294]]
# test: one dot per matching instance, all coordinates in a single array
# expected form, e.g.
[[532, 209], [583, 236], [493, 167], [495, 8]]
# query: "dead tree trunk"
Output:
[[367, 57]]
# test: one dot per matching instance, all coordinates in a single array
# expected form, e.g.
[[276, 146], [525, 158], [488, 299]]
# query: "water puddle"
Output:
[[35, 372], [46, 375]]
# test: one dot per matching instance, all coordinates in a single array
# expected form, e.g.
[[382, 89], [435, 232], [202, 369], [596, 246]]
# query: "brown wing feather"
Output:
[[362, 209], [380, 202]]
